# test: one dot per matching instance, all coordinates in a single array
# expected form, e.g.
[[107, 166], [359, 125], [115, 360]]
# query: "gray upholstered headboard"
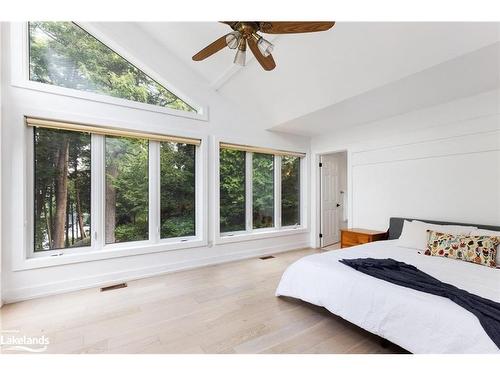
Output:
[[396, 225]]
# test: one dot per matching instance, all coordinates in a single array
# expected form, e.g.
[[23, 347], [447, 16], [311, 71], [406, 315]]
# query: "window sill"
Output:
[[259, 234], [101, 98], [105, 253]]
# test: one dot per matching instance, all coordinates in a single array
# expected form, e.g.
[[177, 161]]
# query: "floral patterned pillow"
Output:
[[476, 249]]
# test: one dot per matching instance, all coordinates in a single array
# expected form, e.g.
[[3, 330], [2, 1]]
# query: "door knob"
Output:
[[338, 205]]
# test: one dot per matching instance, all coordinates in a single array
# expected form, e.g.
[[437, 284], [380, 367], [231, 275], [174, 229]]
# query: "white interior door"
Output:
[[330, 200]]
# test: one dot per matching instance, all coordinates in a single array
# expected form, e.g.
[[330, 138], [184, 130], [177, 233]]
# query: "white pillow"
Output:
[[414, 234], [486, 232], [410, 235]]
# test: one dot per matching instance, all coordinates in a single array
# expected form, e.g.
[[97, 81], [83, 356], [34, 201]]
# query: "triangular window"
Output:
[[63, 54]]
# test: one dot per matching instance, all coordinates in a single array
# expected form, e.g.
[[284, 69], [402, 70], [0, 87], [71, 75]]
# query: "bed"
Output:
[[418, 322]]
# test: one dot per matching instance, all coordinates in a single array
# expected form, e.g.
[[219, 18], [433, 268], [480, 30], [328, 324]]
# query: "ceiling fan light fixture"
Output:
[[233, 39], [265, 47], [240, 58], [243, 32]]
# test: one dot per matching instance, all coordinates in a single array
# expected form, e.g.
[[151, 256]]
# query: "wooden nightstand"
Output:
[[357, 236]]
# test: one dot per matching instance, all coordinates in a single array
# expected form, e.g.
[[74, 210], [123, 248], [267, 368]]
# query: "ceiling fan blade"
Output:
[[266, 62], [230, 23], [286, 27], [211, 49]]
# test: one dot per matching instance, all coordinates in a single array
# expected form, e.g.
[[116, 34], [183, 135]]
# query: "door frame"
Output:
[[317, 202]]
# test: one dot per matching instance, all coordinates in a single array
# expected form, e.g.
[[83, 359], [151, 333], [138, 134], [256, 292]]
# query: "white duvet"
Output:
[[417, 321]]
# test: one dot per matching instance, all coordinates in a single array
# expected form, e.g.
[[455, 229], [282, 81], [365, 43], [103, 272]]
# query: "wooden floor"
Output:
[[228, 308]]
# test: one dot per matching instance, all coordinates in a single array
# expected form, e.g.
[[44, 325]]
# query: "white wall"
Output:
[[1, 114], [224, 121], [441, 162]]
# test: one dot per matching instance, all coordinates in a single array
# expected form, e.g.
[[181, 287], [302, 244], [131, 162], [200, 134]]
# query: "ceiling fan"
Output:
[[245, 33]]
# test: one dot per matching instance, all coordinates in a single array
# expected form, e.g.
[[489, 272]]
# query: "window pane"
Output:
[[263, 190], [126, 189], [290, 190], [232, 190], [177, 212], [63, 54], [62, 189]]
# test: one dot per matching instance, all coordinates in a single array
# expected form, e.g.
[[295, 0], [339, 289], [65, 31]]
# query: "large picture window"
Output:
[[177, 189], [63, 54], [127, 187], [143, 187], [260, 189], [61, 189], [232, 190]]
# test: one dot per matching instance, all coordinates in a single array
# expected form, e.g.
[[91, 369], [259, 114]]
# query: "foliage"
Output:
[[263, 190], [177, 189], [47, 145], [290, 190], [127, 183], [128, 231], [232, 190], [63, 54], [180, 226], [127, 188]]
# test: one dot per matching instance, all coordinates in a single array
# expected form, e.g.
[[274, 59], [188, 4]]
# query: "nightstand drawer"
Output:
[[349, 244], [358, 236], [355, 238]]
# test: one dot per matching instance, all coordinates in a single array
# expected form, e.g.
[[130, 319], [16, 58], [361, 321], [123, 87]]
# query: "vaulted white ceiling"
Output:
[[320, 71]]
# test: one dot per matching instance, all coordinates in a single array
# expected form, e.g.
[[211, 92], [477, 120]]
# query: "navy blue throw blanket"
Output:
[[487, 311]]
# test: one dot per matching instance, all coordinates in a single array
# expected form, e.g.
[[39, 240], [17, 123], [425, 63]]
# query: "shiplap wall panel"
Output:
[[454, 178]]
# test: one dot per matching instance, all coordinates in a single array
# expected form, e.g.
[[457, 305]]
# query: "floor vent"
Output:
[[112, 287], [267, 257]]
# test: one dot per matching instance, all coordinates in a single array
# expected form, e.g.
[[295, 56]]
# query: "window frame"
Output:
[[247, 187], [31, 259], [301, 195], [276, 160], [250, 233], [157, 195], [19, 44], [31, 205]]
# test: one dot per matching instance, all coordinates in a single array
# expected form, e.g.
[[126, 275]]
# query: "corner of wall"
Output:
[[1, 65]]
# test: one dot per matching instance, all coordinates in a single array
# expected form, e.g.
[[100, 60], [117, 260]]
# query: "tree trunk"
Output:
[[61, 194], [48, 224], [78, 204], [111, 174], [51, 217], [79, 213], [72, 223], [68, 205], [40, 202], [40, 209]]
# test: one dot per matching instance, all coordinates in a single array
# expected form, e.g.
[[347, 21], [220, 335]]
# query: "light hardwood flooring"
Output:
[[335, 246], [228, 308]]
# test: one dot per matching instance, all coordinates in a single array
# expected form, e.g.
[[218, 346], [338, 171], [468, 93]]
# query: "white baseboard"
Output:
[[65, 286]]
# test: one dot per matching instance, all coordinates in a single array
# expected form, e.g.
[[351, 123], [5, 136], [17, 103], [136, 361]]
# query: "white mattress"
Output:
[[417, 321]]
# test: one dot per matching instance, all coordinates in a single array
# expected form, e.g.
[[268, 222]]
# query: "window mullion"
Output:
[[249, 191], [97, 191], [277, 191], [154, 191], [302, 192]]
